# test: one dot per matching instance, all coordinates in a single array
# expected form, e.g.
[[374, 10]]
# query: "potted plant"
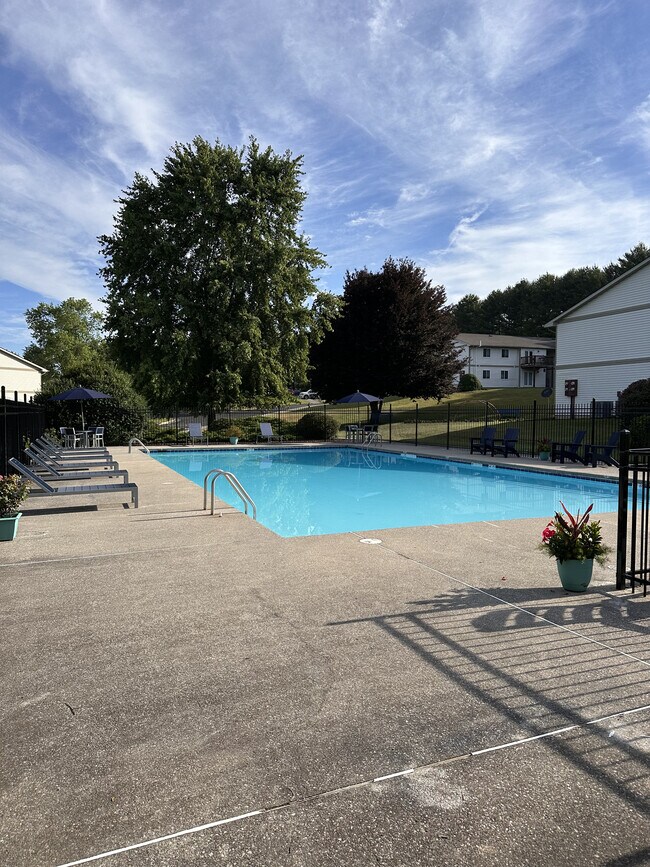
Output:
[[575, 542], [13, 490], [233, 433], [544, 448]]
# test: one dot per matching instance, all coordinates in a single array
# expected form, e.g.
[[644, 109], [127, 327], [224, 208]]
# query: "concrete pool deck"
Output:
[[164, 670]]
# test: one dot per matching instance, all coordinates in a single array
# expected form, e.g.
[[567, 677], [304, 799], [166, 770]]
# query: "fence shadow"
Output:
[[538, 677]]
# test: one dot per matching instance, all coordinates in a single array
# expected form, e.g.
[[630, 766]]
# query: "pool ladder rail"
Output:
[[136, 440], [235, 484]]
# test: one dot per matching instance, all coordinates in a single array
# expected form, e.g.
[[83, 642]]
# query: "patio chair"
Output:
[[266, 432], [507, 445], [45, 489], [603, 453], [70, 438], [97, 434], [195, 432], [56, 471], [568, 451], [484, 443]]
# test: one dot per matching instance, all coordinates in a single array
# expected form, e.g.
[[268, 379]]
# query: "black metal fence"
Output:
[[19, 422], [633, 562], [445, 426]]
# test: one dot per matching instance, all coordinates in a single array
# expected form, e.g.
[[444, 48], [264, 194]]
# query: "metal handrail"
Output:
[[136, 440], [235, 484]]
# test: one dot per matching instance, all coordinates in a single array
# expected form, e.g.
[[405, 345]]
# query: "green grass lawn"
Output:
[[499, 397]]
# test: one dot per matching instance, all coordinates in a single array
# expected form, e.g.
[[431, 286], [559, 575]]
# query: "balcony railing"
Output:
[[535, 361]]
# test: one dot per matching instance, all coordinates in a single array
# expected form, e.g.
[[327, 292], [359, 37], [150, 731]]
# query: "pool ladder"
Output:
[[235, 484]]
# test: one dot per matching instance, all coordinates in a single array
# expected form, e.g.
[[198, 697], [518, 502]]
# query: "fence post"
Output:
[[593, 419], [279, 422], [325, 421], [176, 415], [5, 449], [417, 413], [621, 527], [390, 422], [534, 432], [448, 423]]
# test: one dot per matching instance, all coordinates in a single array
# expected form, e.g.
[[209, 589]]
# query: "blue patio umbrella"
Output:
[[81, 394], [358, 397]]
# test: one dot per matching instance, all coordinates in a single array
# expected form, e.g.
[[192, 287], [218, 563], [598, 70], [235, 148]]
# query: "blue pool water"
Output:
[[311, 492]]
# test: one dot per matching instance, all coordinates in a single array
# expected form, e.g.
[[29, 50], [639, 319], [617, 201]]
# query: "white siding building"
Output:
[[19, 375], [503, 361], [604, 341]]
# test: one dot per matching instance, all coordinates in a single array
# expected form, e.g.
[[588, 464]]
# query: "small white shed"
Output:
[[19, 375], [603, 342]]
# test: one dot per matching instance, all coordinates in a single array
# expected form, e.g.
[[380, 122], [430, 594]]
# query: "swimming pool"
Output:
[[316, 491]]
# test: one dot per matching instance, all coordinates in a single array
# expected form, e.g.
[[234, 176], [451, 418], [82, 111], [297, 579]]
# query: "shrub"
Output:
[[634, 404], [636, 395], [468, 382], [316, 426], [233, 431]]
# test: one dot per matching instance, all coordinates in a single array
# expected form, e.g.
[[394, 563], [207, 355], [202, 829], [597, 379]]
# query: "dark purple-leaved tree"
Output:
[[395, 336]]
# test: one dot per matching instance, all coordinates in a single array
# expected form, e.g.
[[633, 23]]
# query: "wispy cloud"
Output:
[[489, 141]]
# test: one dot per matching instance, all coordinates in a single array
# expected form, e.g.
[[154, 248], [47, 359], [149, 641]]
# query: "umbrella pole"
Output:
[[83, 424]]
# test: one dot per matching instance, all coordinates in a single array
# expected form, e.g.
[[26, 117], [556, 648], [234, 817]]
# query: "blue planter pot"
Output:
[[575, 575], [9, 527]]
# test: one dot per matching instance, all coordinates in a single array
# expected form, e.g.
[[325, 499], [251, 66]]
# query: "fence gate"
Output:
[[634, 479]]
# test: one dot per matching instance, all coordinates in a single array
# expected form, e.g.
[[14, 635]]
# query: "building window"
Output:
[[505, 353], [504, 374], [528, 377], [486, 374], [486, 352]]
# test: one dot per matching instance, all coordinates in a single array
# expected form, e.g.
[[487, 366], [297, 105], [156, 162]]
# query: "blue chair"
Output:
[[568, 451], [484, 443], [594, 454], [508, 445]]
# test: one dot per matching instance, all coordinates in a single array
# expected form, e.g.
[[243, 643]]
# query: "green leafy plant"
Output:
[[12, 493], [468, 382], [316, 426], [544, 444], [233, 431], [574, 537]]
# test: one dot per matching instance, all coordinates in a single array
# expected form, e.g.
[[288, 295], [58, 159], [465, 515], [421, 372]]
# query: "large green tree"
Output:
[[208, 277], [395, 335], [64, 335]]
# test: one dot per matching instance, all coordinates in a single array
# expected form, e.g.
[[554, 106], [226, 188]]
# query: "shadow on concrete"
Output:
[[540, 678], [59, 510]]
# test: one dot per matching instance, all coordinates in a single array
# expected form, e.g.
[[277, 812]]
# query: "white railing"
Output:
[[235, 484]]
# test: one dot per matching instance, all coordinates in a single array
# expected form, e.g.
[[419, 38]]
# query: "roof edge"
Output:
[[553, 322], [24, 360]]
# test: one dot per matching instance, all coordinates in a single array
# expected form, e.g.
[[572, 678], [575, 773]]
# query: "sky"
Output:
[[487, 141]]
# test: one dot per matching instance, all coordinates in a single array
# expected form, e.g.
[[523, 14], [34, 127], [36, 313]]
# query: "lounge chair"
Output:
[[484, 443], [195, 432], [266, 432], [45, 489], [568, 451], [596, 453], [507, 445], [75, 459], [46, 443], [59, 473]]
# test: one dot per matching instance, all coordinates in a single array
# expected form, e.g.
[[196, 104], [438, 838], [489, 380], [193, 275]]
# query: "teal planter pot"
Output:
[[575, 575], [9, 527]]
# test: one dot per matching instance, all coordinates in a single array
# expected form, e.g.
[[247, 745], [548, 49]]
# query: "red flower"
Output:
[[548, 533]]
